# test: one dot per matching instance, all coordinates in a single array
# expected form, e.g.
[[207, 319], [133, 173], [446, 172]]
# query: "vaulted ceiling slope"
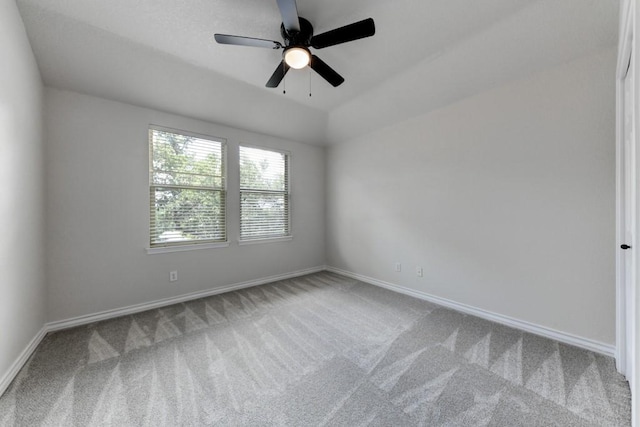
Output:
[[425, 54]]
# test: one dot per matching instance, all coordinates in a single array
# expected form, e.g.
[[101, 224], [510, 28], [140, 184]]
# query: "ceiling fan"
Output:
[[298, 37]]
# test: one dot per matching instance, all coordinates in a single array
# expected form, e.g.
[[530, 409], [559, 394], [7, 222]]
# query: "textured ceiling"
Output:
[[425, 54]]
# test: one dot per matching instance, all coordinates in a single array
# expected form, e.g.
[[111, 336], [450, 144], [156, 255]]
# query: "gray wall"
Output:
[[506, 199], [22, 291], [98, 214]]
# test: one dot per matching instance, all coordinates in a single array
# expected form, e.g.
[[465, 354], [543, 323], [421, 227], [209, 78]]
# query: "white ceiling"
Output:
[[425, 54]]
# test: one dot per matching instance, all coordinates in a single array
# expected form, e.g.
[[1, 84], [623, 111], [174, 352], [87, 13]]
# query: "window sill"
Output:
[[267, 240], [183, 248]]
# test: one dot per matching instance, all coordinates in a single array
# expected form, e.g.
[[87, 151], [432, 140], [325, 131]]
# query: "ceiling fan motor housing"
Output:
[[295, 38]]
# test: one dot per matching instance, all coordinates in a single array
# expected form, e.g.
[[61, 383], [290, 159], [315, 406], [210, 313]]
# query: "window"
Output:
[[264, 194], [187, 188]]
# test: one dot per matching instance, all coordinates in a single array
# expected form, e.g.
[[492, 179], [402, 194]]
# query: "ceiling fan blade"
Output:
[[246, 41], [278, 75], [289, 12], [355, 31], [326, 72]]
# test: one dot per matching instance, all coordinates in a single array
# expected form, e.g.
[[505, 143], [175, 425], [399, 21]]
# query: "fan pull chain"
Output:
[[284, 84], [309, 82]]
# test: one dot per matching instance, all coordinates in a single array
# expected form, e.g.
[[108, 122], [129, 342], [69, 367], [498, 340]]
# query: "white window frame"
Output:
[[190, 244], [266, 239]]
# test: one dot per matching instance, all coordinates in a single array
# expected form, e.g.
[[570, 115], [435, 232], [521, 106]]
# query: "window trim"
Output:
[[182, 248], [266, 239], [189, 244], [260, 240]]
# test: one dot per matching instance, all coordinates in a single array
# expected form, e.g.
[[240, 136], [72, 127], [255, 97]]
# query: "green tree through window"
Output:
[[264, 193], [187, 188]]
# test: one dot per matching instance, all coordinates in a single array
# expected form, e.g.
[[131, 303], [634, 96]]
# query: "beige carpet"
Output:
[[317, 350]]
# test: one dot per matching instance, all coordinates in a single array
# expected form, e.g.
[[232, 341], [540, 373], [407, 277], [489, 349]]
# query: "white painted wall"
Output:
[[98, 214], [22, 287], [506, 199]]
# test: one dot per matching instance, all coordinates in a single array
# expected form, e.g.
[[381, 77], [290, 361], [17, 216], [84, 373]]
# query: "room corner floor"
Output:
[[316, 350]]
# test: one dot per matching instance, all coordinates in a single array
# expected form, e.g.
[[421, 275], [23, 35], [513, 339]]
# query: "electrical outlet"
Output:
[[398, 267], [173, 276], [419, 271]]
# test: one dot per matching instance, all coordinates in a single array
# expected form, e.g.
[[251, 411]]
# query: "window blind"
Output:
[[187, 188], [264, 193]]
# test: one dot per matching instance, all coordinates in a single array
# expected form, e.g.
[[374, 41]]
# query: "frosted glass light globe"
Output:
[[297, 57]]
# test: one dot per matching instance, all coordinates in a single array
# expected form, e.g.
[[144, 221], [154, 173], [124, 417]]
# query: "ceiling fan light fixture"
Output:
[[297, 34], [297, 57]]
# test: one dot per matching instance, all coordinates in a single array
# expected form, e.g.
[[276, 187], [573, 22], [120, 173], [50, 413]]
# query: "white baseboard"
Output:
[[9, 376], [137, 308], [564, 337]]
